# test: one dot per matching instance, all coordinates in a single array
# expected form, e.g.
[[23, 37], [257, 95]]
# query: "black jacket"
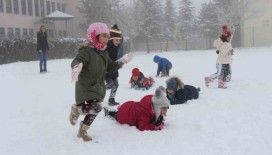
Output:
[[42, 43], [183, 95], [113, 53]]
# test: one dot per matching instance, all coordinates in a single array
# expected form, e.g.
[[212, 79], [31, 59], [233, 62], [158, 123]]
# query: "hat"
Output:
[[174, 84], [156, 58], [115, 32], [159, 101], [136, 72], [93, 31]]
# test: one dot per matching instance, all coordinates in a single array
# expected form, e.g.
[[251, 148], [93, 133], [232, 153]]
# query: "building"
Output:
[[22, 18], [257, 25]]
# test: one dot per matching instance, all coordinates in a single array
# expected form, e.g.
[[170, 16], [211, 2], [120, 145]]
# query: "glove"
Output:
[[159, 127], [75, 71], [126, 58], [159, 121], [40, 51], [217, 51]]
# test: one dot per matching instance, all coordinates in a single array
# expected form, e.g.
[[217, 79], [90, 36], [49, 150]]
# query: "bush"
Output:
[[25, 49]]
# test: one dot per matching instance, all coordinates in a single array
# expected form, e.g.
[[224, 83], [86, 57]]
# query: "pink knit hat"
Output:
[[93, 31]]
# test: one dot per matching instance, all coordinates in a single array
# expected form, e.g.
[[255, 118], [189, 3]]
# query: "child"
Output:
[[224, 60], [164, 66], [138, 80], [113, 50], [228, 36], [88, 70], [148, 114], [178, 93]]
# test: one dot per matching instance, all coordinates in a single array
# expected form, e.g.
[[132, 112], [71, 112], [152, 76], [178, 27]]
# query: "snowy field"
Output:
[[237, 121]]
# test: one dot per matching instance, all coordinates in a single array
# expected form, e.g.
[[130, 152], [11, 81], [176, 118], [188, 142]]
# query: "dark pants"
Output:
[[91, 109], [225, 72], [43, 60], [113, 85]]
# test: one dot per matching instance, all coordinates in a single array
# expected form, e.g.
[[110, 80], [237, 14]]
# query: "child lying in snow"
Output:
[[138, 80], [147, 114]]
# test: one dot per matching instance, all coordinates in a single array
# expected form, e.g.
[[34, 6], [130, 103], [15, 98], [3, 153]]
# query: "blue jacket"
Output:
[[163, 64]]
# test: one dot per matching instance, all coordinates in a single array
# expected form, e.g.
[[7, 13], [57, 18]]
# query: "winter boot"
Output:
[[208, 80], [82, 132], [222, 84], [112, 102], [74, 114]]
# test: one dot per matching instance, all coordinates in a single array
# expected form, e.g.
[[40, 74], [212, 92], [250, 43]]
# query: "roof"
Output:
[[58, 15]]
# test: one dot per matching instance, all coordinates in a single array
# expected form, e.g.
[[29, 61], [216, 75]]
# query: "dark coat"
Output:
[[139, 114], [91, 80], [113, 54], [42, 43], [182, 95]]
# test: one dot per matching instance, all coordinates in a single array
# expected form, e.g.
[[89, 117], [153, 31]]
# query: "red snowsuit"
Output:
[[139, 114]]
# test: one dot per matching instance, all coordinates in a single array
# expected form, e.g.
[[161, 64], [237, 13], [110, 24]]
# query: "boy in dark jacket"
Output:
[[138, 80], [178, 93], [113, 49], [164, 66], [147, 114]]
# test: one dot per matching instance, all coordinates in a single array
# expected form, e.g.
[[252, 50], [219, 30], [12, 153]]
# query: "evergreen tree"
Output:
[[186, 21]]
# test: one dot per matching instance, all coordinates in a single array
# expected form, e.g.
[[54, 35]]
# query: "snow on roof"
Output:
[[59, 15]]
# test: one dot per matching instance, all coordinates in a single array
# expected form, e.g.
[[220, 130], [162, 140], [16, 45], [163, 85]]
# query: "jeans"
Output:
[[43, 60]]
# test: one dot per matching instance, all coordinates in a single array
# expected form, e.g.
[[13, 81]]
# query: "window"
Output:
[[24, 33], [17, 33], [53, 6], [8, 6], [266, 23], [63, 7], [30, 7], [16, 6], [42, 7], [1, 6], [31, 32], [48, 7], [58, 6], [37, 9], [2, 32], [10, 33], [23, 5]]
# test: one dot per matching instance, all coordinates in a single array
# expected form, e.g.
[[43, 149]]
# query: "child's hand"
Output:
[[126, 58], [75, 71]]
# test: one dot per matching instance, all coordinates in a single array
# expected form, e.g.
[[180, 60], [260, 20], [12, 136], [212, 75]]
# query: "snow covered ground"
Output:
[[237, 121]]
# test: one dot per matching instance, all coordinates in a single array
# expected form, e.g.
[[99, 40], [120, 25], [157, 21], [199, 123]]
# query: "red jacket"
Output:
[[139, 114]]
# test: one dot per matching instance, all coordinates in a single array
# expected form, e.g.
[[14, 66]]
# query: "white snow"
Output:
[[237, 121]]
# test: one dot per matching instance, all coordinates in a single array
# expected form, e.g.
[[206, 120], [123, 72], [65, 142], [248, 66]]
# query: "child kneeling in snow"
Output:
[[138, 80], [178, 93], [164, 66], [148, 114]]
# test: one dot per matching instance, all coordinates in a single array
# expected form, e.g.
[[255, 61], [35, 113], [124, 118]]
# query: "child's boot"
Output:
[[74, 114], [222, 84], [82, 132], [208, 80]]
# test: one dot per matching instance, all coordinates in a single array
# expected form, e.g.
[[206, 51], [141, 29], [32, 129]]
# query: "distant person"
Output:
[[147, 114], [223, 61], [164, 66], [178, 93], [113, 49], [42, 48]]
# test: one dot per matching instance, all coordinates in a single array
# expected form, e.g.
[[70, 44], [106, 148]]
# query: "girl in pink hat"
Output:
[[88, 70]]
